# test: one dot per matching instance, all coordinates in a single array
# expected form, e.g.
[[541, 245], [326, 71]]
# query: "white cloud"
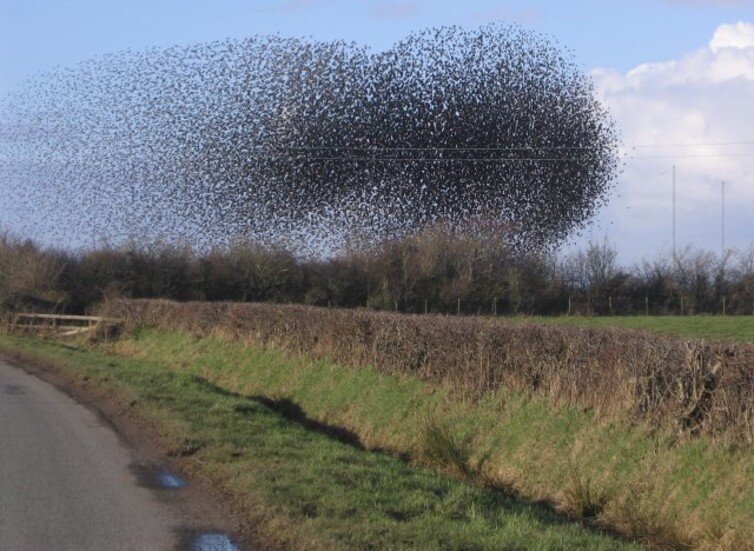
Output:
[[704, 97], [739, 35]]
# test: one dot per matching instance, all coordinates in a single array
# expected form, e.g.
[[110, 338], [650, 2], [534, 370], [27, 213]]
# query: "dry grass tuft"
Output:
[[581, 497], [653, 525], [443, 448]]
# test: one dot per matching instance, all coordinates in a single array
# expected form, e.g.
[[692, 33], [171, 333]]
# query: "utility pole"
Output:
[[674, 252], [722, 227], [722, 239]]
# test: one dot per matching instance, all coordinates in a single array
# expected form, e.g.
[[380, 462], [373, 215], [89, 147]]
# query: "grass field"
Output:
[[643, 482], [646, 483], [737, 328], [311, 489]]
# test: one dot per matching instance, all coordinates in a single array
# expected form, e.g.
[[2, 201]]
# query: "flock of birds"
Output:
[[308, 143]]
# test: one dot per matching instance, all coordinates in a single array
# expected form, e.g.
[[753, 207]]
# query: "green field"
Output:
[[736, 328], [648, 484], [308, 489]]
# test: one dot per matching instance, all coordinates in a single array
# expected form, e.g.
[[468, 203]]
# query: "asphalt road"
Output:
[[66, 479]]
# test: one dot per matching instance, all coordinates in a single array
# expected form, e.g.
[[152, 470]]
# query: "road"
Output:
[[67, 480]]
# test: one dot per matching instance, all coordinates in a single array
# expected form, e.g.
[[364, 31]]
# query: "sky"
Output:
[[673, 73]]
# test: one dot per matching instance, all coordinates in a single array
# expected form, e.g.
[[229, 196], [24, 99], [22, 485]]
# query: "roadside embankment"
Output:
[[297, 482], [689, 387], [646, 434], [643, 434]]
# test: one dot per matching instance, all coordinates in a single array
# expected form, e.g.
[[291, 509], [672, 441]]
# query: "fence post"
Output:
[[610, 302], [569, 306], [646, 305], [458, 309], [494, 307], [723, 306], [682, 306], [426, 307], [395, 302]]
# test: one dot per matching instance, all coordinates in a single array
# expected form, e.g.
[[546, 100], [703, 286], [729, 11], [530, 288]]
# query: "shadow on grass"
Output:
[[480, 494], [340, 490], [293, 412]]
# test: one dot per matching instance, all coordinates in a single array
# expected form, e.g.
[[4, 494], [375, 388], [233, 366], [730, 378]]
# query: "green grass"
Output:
[[312, 490], [644, 482], [648, 484], [736, 328]]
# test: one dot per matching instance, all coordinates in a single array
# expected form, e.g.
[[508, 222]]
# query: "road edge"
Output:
[[141, 436]]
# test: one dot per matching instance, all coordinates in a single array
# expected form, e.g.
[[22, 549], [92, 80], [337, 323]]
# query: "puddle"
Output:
[[151, 476], [168, 480], [213, 541], [13, 390]]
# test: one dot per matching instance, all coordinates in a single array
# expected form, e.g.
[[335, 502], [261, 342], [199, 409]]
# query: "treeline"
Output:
[[438, 270]]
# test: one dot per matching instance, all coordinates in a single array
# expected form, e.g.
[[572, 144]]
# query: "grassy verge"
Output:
[[280, 459], [646, 483], [679, 385], [735, 328]]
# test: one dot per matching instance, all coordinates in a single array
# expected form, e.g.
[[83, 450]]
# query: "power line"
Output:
[[699, 144], [427, 148], [489, 148], [421, 159], [700, 156], [480, 159]]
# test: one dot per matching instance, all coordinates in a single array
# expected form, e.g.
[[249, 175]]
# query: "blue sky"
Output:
[[701, 94], [35, 34]]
